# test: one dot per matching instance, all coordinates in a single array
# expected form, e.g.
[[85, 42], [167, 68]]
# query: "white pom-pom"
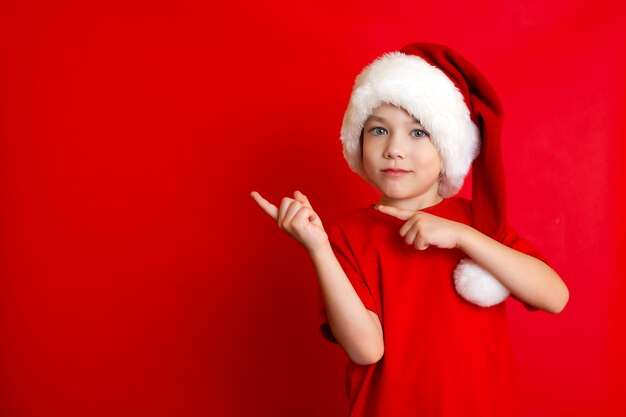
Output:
[[477, 285]]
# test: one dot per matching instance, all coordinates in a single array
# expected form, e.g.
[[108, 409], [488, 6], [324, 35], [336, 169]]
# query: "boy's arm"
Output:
[[357, 329], [528, 278]]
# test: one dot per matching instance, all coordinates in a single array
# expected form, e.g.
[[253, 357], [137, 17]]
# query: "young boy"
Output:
[[413, 286]]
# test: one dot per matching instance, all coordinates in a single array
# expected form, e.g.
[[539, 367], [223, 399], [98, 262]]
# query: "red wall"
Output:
[[139, 278]]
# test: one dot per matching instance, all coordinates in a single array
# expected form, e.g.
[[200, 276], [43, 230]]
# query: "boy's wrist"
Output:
[[319, 249], [464, 236]]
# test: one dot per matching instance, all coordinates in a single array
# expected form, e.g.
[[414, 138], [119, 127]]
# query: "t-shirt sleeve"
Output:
[[346, 258], [514, 241]]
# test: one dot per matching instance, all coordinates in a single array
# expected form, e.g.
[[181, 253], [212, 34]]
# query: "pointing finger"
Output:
[[401, 214], [268, 207]]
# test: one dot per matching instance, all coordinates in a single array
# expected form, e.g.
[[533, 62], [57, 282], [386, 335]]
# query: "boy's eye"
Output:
[[378, 131], [419, 133]]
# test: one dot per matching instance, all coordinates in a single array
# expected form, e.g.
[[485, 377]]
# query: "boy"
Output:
[[420, 314]]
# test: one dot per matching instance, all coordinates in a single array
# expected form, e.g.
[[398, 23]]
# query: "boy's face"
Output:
[[399, 159]]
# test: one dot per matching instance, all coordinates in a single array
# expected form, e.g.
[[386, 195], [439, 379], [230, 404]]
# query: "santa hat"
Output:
[[463, 115]]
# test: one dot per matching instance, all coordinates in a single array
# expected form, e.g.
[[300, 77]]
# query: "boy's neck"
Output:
[[416, 203]]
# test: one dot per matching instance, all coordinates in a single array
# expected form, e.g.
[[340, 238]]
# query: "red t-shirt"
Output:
[[443, 355]]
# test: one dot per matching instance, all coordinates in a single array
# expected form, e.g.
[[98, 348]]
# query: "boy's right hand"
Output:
[[297, 218]]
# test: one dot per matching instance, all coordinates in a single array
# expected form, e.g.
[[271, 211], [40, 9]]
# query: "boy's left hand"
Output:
[[423, 229]]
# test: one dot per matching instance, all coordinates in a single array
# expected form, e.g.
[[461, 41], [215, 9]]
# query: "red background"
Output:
[[139, 278]]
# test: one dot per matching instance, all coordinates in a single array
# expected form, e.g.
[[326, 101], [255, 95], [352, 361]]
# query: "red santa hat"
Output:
[[463, 114]]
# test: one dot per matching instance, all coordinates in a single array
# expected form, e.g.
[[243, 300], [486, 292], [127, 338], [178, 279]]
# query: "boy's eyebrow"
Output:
[[413, 120]]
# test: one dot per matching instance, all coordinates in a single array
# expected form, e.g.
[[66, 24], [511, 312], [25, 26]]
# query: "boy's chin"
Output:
[[397, 194]]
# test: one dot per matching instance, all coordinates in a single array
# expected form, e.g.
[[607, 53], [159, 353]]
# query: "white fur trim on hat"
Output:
[[425, 92], [478, 286]]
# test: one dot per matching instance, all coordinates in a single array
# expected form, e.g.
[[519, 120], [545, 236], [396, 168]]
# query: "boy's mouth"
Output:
[[395, 172]]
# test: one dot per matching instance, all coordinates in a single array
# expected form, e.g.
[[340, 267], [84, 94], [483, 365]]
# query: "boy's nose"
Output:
[[393, 149]]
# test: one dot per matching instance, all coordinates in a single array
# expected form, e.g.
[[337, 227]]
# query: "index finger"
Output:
[[268, 207], [401, 214]]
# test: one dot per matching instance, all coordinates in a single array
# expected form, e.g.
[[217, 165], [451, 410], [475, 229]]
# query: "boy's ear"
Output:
[[442, 175]]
